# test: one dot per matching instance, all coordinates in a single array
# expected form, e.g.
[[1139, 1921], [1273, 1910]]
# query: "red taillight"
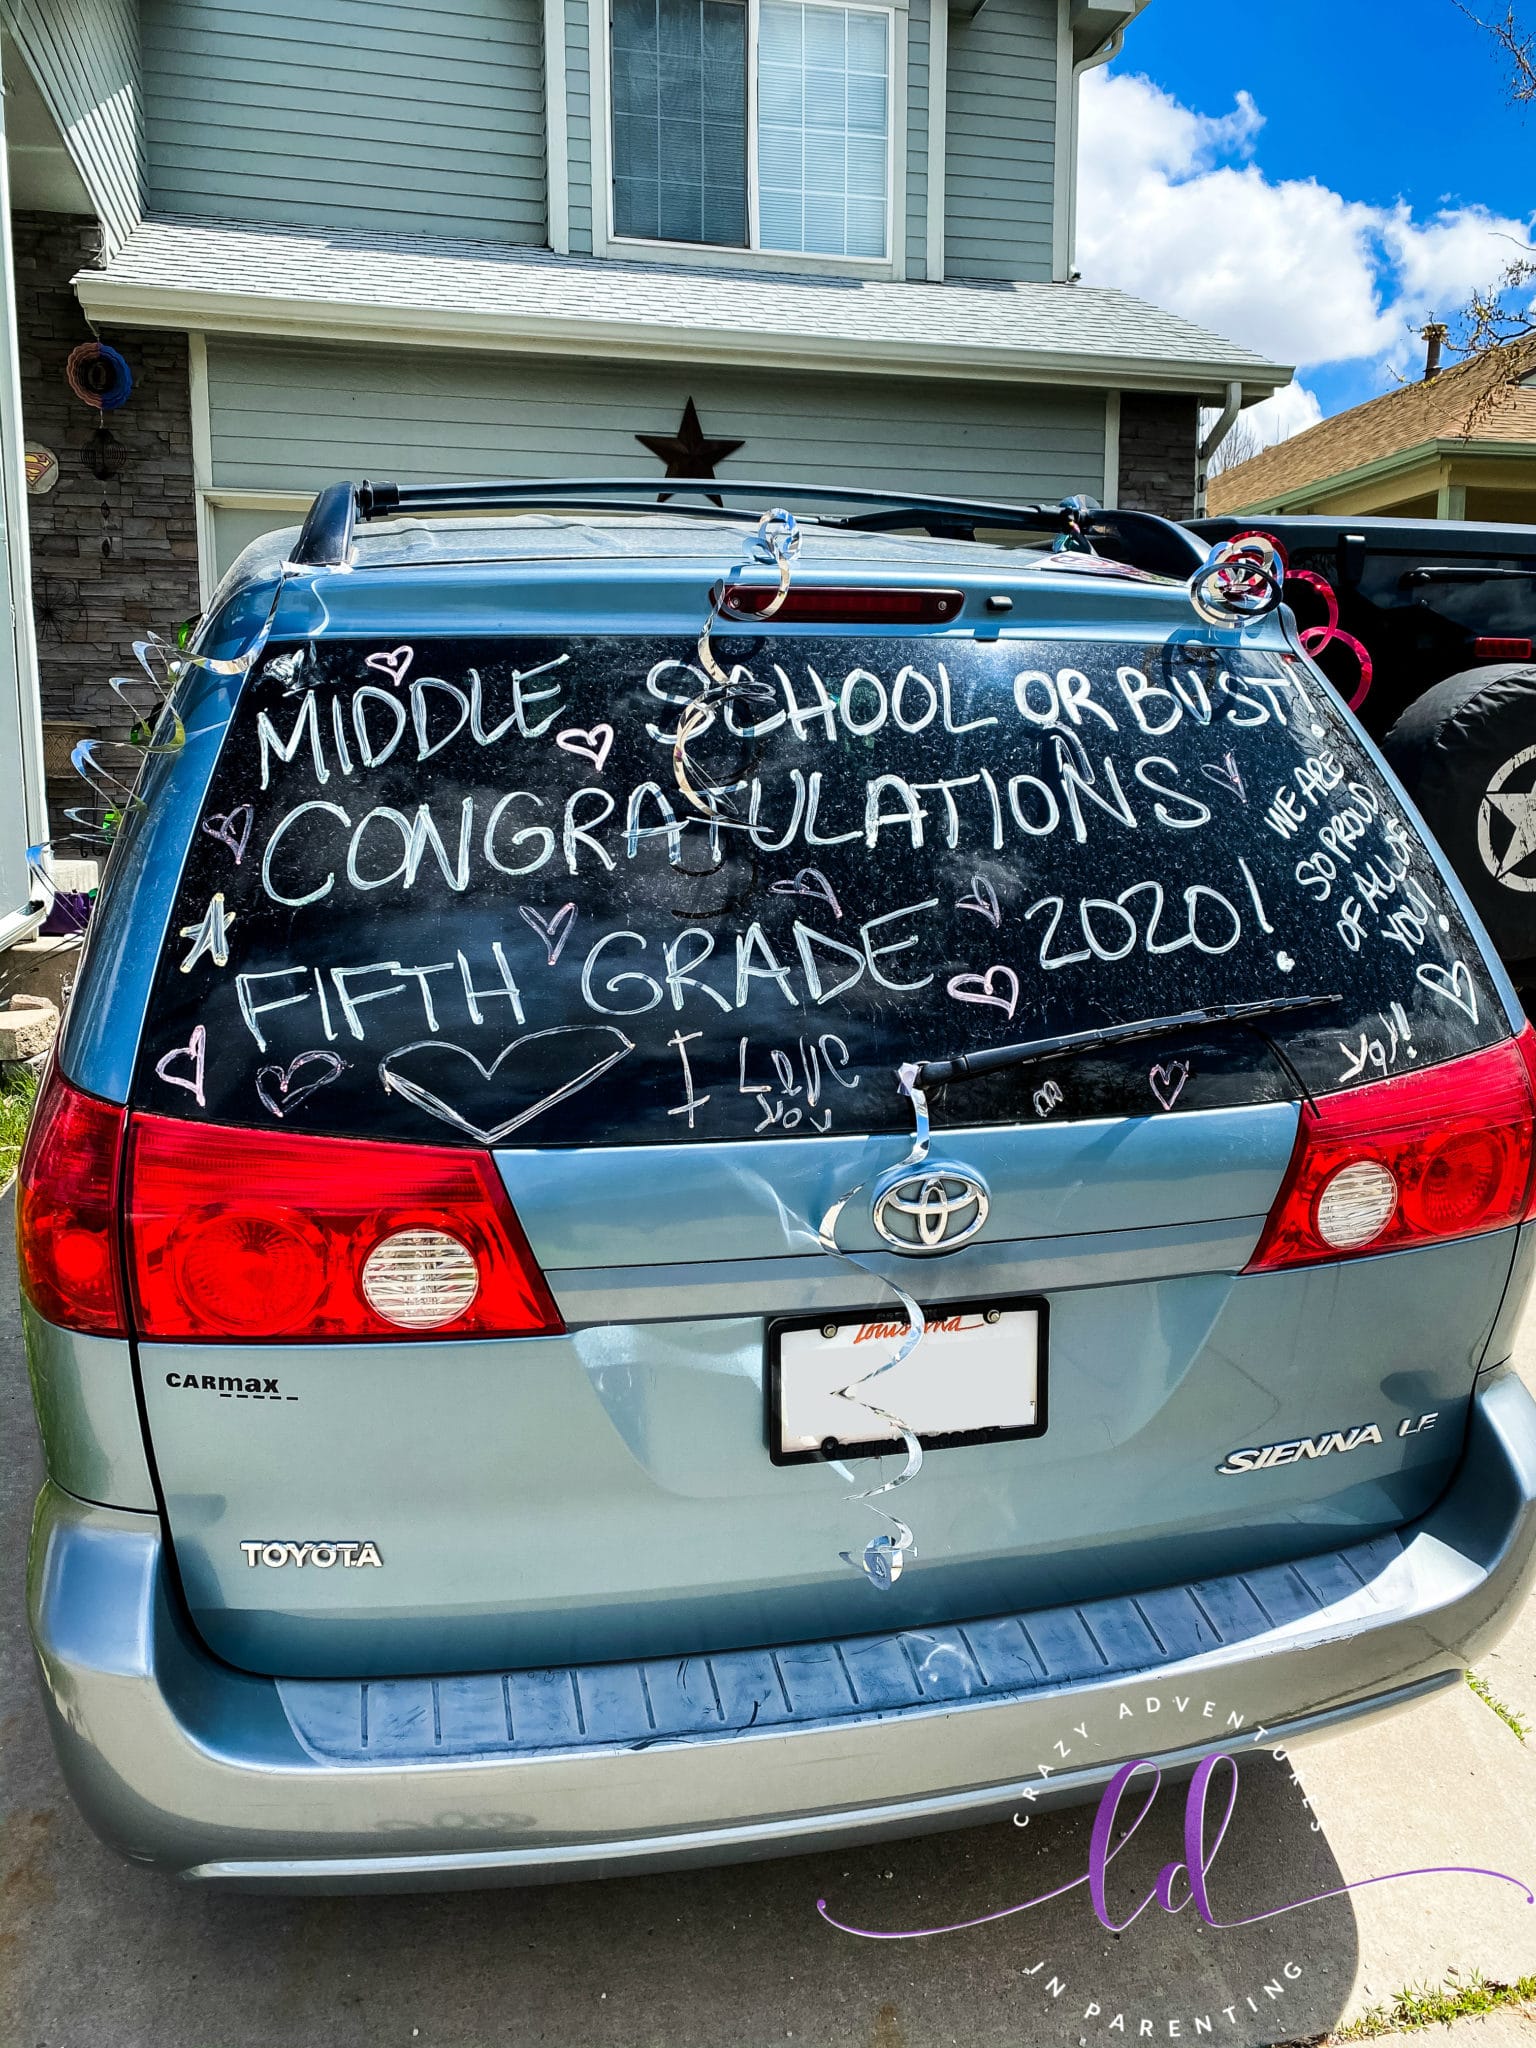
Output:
[[256, 1235], [66, 1210], [1489, 647], [807, 604], [1403, 1162]]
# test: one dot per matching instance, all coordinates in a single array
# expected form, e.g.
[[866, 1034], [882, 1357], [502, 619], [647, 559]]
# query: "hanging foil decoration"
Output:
[[1072, 540], [1318, 639], [777, 543], [884, 1556], [105, 457], [99, 376], [111, 768], [1239, 581]]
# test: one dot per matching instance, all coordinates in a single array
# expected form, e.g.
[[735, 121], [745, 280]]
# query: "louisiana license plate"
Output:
[[978, 1376]]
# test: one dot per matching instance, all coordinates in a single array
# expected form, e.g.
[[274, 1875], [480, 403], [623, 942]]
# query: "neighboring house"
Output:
[[798, 238], [1459, 445]]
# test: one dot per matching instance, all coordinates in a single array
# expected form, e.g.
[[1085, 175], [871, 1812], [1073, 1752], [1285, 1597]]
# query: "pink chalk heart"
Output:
[[1168, 1082], [592, 745], [554, 931], [393, 664], [999, 986], [231, 829], [281, 1088], [191, 1057]]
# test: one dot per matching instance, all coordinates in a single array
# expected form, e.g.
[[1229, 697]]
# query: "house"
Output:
[[1460, 444], [785, 238]]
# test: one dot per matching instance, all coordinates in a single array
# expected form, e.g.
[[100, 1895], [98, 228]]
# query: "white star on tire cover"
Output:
[[1518, 810]]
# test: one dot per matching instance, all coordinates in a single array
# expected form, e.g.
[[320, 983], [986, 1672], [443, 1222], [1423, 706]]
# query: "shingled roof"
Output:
[[1474, 402], [232, 277]]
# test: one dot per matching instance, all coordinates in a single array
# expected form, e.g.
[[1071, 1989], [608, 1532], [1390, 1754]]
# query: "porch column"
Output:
[[23, 812]]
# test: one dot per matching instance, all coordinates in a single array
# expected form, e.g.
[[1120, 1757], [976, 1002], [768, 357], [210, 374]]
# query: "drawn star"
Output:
[[210, 936], [688, 452], [1520, 813]]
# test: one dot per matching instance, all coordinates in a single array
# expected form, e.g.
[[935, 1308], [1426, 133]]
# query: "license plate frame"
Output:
[[773, 1379]]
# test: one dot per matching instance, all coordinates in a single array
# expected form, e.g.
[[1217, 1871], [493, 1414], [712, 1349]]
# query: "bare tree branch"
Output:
[[1491, 318], [1498, 322], [1242, 443], [1518, 45]]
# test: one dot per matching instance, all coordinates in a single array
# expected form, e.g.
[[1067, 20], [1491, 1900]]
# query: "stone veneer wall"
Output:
[[1157, 453], [90, 606]]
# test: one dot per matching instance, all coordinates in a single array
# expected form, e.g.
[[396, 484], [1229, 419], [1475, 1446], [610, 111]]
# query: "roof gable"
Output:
[[1482, 400]]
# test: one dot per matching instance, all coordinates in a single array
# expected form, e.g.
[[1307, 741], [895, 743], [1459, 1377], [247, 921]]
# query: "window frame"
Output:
[[890, 264]]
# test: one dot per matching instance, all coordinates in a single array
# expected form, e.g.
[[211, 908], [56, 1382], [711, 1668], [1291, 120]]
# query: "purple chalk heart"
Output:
[[232, 829]]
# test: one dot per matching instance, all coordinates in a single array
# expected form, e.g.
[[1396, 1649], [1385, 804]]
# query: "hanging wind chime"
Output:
[[100, 378]]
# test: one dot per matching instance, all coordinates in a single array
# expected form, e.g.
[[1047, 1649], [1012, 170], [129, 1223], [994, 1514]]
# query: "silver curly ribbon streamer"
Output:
[[166, 667], [1072, 540], [1238, 581], [777, 543], [884, 1555]]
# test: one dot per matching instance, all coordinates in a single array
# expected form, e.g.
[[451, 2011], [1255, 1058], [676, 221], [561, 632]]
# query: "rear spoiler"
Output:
[[1141, 539]]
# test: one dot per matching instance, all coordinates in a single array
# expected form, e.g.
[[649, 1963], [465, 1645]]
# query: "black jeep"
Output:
[[1428, 628]]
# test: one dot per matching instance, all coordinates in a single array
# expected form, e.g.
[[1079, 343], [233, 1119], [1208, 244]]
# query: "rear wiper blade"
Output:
[[998, 1058]]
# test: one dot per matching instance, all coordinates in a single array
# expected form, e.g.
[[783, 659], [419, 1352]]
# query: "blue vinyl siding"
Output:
[[291, 417], [84, 55], [578, 122], [425, 118], [999, 194]]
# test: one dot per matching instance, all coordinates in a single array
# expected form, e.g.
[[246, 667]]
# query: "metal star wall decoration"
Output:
[[689, 452]]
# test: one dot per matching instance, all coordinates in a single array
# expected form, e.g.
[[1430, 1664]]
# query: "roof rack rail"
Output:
[[325, 540], [1140, 538]]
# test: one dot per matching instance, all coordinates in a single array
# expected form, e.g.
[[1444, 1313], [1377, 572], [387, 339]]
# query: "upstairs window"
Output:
[[761, 124]]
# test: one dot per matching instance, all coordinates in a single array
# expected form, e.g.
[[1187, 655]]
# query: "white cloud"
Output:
[[1173, 207], [1291, 411]]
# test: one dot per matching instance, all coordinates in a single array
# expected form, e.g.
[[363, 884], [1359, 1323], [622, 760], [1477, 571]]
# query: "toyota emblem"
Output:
[[930, 1209]]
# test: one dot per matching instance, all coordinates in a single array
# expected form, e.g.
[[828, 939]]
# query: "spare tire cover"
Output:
[[1466, 753]]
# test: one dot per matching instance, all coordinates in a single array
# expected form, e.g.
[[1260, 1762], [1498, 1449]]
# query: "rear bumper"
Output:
[[220, 1777]]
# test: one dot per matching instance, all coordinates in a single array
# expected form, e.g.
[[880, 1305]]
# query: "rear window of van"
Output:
[[479, 891]]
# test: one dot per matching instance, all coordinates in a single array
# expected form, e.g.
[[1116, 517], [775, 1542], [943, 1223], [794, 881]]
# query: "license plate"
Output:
[[978, 1376]]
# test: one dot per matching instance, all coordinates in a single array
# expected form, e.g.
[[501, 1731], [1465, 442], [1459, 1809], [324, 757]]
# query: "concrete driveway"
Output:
[[94, 1953]]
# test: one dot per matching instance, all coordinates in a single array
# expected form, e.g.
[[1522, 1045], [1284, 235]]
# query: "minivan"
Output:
[[861, 1132]]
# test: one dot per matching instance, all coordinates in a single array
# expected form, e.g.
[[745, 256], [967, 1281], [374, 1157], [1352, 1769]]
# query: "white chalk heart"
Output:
[[290, 1090], [983, 900], [393, 664], [593, 745], [1284, 962], [554, 931], [1168, 1081], [1227, 774], [810, 882], [194, 1053], [606, 1039], [1452, 984], [987, 988]]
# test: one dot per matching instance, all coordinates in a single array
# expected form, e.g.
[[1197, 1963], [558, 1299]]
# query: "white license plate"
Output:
[[977, 1376]]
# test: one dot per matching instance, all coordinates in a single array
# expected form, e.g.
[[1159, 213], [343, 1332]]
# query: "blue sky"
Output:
[[1315, 181]]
